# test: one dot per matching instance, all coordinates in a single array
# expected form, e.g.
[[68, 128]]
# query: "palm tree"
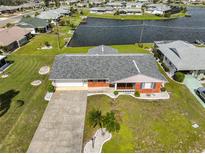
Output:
[[95, 118], [110, 122]]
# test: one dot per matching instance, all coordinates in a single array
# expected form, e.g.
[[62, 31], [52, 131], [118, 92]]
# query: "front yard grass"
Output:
[[18, 124], [153, 126]]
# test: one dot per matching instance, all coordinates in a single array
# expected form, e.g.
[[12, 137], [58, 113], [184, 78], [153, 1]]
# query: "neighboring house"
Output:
[[12, 9], [97, 3], [36, 24], [157, 9], [131, 11], [182, 56], [13, 38], [82, 4], [115, 5], [110, 71], [131, 4], [100, 10], [3, 63], [54, 15], [72, 2]]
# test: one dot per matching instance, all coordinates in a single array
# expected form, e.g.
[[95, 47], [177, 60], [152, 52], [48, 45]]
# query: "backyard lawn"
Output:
[[153, 126]]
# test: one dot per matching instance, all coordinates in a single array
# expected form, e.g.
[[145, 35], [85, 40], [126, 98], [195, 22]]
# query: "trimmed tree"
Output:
[[179, 76], [96, 119], [110, 122]]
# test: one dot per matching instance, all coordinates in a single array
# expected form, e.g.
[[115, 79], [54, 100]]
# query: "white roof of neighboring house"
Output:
[[183, 55], [159, 7], [53, 14], [2, 57]]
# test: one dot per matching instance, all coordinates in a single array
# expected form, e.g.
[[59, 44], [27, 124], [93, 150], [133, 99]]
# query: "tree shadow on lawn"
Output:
[[5, 100]]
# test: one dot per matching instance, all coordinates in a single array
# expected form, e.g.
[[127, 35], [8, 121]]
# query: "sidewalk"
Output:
[[96, 143]]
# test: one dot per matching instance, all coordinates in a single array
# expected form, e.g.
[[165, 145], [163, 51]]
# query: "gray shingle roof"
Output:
[[102, 49], [112, 67], [33, 22], [183, 55]]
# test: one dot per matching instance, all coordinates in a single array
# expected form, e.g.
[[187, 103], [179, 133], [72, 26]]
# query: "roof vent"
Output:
[[138, 70], [175, 51], [102, 49]]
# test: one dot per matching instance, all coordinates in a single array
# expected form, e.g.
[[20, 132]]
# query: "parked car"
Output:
[[201, 93]]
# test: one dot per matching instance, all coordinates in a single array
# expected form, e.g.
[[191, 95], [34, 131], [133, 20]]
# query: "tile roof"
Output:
[[183, 55], [9, 35], [112, 67]]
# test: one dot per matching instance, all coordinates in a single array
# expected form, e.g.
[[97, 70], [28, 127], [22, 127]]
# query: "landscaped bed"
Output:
[[153, 126]]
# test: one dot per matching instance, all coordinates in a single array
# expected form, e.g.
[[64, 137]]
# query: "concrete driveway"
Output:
[[62, 125], [192, 84]]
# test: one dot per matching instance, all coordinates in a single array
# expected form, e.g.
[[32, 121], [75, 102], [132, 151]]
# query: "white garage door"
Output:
[[68, 84]]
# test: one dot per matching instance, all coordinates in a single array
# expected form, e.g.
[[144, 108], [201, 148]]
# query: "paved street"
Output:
[[61, 128], [14, 19]]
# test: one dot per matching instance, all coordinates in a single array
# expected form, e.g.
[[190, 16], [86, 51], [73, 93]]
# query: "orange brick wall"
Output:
[[148, 91], [97, 84]]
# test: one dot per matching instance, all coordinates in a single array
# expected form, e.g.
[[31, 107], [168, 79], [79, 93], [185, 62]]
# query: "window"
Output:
[[148, 85]]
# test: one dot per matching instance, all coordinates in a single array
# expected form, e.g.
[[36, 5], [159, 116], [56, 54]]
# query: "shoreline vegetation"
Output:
[[133, 17], [136, 17]]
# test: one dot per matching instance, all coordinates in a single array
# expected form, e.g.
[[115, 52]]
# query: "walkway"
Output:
[[96, 143], [62, 125], [192, 84]]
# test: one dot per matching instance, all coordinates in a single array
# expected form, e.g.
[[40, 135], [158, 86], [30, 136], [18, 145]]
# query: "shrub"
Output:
[[115, 93], [140, 45], [179, 76], [137, 94], [47, 44], [163, 89], [51, 88], [166, 69]]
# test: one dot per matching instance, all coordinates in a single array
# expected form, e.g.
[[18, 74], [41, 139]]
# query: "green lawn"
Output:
[[18, 124], [153, 126]]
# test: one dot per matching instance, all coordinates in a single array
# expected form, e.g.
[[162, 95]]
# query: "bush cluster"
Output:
[[115, 93], [51, 88], [179, 76], [137, 94]]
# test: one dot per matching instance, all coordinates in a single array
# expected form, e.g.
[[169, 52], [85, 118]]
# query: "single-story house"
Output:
[[101, 10], [107, 70], [182, 56], [115, 5], [82, 4], [131, 4], [131, 11], [157, 9], [36, 24], [97, 3], [13, 38], [3, 63], [72, 2]]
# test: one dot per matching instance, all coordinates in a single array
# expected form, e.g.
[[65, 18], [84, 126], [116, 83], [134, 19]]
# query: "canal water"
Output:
[[110, 32]]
